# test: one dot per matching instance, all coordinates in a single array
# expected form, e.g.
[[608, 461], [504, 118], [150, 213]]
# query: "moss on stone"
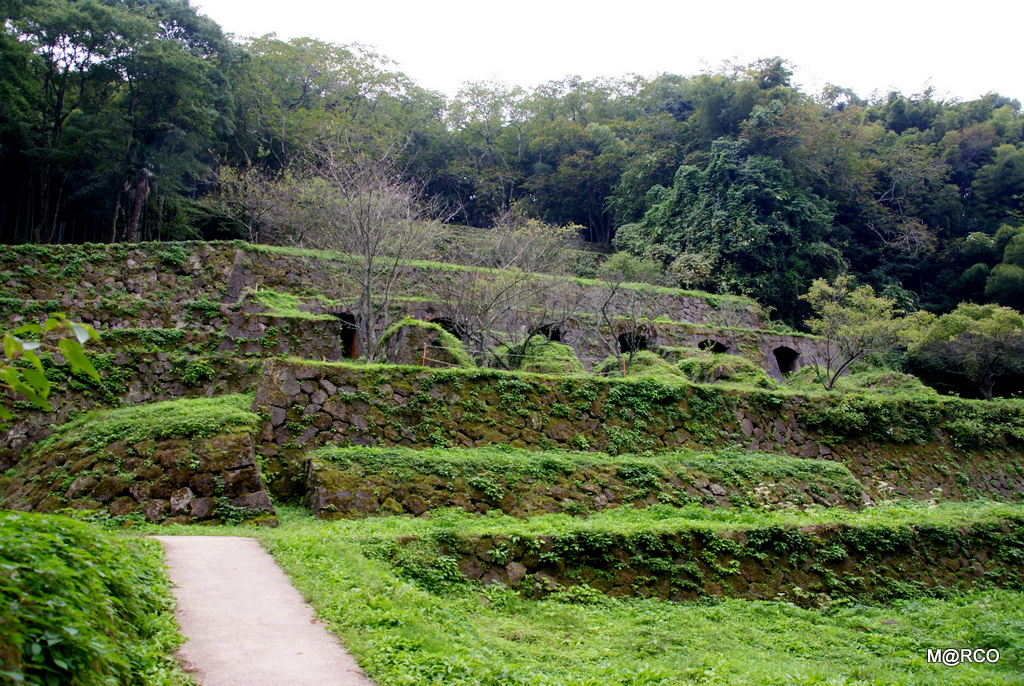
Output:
[[442, 346], [641, 363], [714, 368], [541, 356]]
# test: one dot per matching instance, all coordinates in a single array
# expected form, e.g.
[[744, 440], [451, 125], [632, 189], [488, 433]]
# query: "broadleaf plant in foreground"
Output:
[[23, 345]]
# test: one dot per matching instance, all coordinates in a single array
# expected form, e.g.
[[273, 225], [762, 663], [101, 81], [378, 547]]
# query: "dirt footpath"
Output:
[[244, 623]]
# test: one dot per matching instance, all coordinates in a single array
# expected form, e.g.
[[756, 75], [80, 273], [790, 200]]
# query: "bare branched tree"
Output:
[[624, 305], [268, 206], [523, 290], [367, 210]]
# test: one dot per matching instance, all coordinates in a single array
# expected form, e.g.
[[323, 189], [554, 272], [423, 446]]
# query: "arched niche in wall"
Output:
[[713, 346], [449, 325], [786, 358], [551, 332], [349, 334], [632, 341]]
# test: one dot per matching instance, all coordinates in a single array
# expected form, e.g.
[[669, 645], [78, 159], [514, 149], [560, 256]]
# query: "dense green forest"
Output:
[[129, 120]]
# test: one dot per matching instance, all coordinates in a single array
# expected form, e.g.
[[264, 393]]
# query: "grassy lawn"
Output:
[[462, 634]]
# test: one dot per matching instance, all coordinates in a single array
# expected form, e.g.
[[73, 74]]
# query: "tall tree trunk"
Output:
[[141, 193], [113, 223]]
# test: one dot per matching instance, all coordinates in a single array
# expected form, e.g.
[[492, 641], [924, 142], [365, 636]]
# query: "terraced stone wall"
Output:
[[175, 481], [177, 273], [355, 490], [71, 275], [324, 276], [907, 448], [207, 289], [809, 566], [130, 378]]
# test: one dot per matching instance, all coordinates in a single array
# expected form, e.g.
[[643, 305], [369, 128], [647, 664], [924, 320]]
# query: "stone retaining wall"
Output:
[[808, 566], [181, 272], [315, 405], [247, 331], [174, 481], [168, 285], [132, 378], [334, 491]]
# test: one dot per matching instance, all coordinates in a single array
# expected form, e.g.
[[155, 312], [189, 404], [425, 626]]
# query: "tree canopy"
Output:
[[118, 120], [980, 343]]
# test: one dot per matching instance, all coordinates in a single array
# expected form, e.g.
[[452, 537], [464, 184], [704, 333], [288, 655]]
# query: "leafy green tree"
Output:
[[129, 99], [998, 187], [1005, 285], [489, 137], [1014, 251], [171, 103], [973, 280], [21, 371], [853, 323], [574, 186], [1003, 236], [744, 215], [302, 90], [980, 343]]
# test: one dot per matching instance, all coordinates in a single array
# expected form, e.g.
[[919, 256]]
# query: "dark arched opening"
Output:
[[632, 341], [713, 346], [349, 335], [552, 333], [786, 358], [450, 325]]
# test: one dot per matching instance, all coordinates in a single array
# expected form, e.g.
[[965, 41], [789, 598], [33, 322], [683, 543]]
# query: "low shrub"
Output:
[[542, 356], [80, 606], [725, 367], [642, 363]]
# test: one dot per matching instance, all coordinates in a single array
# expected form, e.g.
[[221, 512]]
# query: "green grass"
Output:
[[184, 418], [285, 305], [664, 519], [83, 607], [405, 635], [335, 256]]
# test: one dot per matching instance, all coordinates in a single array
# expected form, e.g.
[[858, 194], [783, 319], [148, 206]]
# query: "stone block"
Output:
[[203, 508], [181, 499]]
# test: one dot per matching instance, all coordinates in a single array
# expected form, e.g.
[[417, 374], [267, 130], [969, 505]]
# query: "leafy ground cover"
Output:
[[83, 607], [667, 519], [186, 417], [510, 464], [406, 634]]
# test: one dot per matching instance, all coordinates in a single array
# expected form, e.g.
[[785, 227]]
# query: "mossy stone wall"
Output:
[[203, 287], [178, 480], [810, 565], [352, 491], [130, 378], [928, 452]]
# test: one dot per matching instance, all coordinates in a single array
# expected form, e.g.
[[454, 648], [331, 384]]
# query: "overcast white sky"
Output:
[[963, 50]]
